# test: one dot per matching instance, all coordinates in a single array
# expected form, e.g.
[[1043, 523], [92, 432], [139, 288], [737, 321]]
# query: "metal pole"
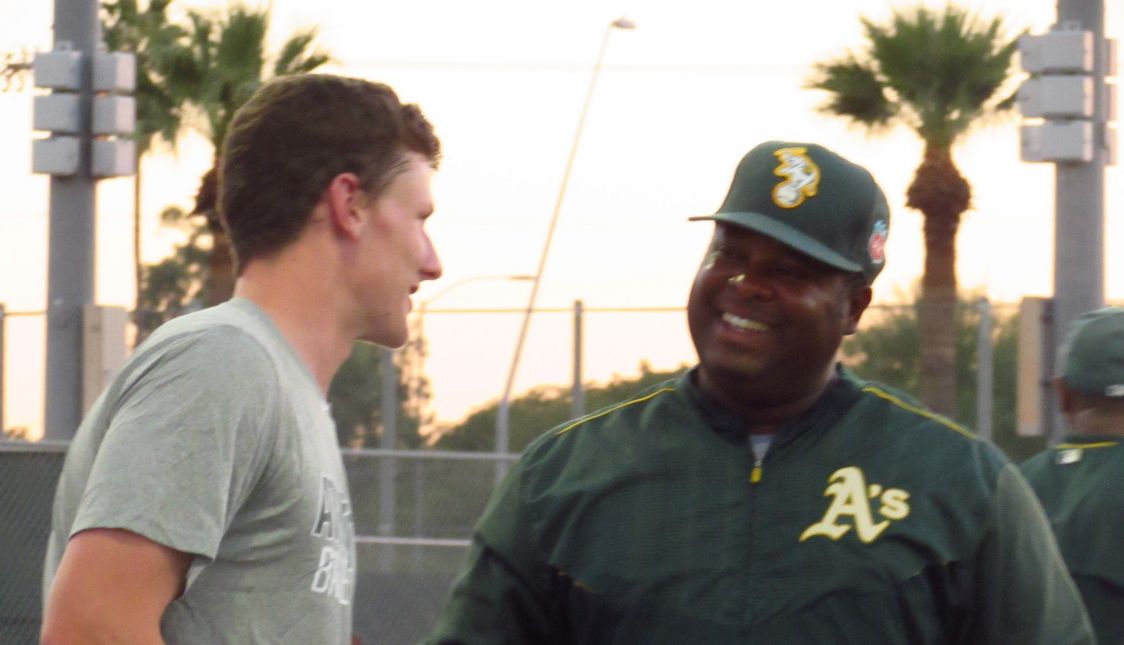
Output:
[[387, 471], [985, 371], [3, 325], [577, 392], [388, 467], [70, 265], [504, 411], [1079, 199]]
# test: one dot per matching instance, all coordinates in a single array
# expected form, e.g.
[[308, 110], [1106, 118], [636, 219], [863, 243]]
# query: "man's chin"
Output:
[[383, 339]]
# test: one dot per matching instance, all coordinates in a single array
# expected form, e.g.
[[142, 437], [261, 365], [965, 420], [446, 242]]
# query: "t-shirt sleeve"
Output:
[[502, 594], [1024, 594], [188, 437]]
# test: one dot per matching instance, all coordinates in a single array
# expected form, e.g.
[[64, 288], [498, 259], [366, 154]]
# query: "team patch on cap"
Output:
[[876, 247], [802, 177]]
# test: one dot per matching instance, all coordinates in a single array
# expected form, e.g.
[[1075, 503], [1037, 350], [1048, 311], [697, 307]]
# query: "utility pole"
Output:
[[1079, 197], [1069, 101], [85, 120], [70, 264]]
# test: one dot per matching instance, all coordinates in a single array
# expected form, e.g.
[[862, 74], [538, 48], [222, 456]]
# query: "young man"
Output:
[[203, 499], [768, 496], [1079, 481]]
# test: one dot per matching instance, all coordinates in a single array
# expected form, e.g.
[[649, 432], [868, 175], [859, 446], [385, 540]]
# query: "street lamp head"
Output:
[[622, 23]]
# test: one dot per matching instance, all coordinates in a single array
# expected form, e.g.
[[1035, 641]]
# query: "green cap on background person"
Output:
[[813, 200], [1092, 357]]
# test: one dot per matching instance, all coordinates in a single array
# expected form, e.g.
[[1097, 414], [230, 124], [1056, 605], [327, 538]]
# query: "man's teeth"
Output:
[[743, 323]]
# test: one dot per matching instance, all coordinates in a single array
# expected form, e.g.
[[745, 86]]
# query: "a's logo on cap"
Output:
[[802, 177], [876, 247]]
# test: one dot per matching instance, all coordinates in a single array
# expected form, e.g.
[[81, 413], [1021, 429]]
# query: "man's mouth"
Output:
[[745, 324]]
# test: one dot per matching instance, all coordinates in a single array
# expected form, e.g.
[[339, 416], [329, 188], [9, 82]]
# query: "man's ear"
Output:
[[857, 301], [344, 197]]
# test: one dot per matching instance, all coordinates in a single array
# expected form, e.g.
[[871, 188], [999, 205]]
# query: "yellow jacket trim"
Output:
[[616, 407], [1073, 446], [882, 394]]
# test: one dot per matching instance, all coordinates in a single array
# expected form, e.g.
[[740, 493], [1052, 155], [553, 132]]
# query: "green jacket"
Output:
[[1079, 483], [869, 520]]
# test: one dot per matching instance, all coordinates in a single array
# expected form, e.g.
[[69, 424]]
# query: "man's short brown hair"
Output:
[[297, 133]]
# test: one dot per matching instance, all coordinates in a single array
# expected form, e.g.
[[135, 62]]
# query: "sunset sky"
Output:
[[679, 100]]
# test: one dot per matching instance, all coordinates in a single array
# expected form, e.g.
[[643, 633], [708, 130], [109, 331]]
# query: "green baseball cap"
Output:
[[813, 200], [1093, 353]]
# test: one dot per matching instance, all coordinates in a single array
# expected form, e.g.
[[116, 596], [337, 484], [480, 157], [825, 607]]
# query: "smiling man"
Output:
[[204, 499], [768, 496]]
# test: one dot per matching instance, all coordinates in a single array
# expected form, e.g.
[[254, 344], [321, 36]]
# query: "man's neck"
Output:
[[1089, 422], [765, 416], [298, 298]]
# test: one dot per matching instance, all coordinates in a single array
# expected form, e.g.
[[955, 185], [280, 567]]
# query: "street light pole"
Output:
[[504, 412], [70, 262], [1079, 200]]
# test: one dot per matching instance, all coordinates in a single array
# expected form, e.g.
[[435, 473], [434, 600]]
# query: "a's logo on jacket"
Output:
[[851, 507], [802, 177]]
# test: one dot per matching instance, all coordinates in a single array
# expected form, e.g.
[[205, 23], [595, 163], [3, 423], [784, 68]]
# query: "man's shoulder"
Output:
[[1036, 465], [612, 424], [202, 347], [900, 411], [929, 446], [222, 329]]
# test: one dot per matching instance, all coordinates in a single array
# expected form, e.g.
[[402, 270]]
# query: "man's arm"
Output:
[[112, 586], [1024, 592]]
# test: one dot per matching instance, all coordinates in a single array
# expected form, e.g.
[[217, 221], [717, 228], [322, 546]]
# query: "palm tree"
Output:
[[156, 43], [938, 73], [225, 66]]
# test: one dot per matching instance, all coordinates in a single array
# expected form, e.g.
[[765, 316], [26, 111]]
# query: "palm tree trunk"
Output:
[[942, 195]]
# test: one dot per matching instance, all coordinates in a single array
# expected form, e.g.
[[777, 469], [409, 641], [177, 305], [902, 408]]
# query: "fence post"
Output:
[[577, 393], [388, 467], [3, 366], [985, 371]]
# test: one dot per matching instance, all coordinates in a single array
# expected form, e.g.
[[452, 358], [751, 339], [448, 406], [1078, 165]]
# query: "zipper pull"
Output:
[[755, 474]]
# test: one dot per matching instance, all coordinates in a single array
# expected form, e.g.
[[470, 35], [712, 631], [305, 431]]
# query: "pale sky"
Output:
[[679, 100]]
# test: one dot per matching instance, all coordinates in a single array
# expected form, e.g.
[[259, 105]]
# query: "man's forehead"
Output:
[[725, 232]]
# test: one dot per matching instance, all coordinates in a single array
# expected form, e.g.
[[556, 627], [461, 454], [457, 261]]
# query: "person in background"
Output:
[[203, 498], [1078, 480], [768, 495]]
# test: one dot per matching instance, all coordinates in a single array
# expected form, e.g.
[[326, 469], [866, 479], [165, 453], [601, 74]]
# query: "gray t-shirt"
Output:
[[214, 440]]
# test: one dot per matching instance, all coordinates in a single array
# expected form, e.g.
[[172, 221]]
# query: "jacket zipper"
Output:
[[755, 474]]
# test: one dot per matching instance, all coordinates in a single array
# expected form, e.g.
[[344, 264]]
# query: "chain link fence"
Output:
[[413, 511], [28, 473]]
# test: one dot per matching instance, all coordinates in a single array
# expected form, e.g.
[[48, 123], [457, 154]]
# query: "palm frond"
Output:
[[295, 57], [854, 91], [944, 66]]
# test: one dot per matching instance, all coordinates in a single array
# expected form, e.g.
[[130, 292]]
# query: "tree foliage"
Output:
[[174, 285], [543, 408], [356, 397], [157, 43]]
